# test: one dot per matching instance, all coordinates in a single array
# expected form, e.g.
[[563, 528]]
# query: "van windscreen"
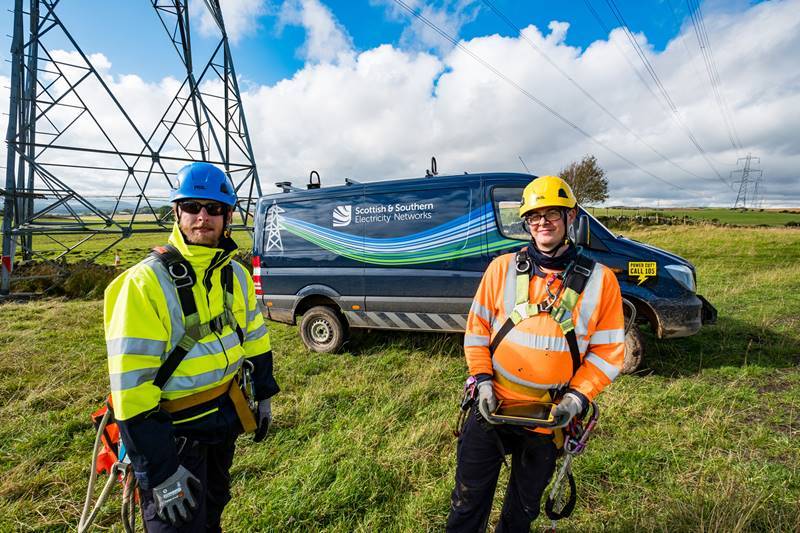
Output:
[[506, 209]]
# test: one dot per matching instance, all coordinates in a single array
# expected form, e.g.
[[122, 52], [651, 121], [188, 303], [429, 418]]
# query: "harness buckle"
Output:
[[181, 279], [582, 270], [216, 324]]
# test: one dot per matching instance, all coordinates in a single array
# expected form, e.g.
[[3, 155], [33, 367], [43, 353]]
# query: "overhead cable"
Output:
[[526, 93], [663, 90], [713, 74], [586, 93]]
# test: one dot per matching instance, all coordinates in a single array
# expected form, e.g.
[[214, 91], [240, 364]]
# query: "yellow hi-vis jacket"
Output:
[[534, 360], [144, 321]]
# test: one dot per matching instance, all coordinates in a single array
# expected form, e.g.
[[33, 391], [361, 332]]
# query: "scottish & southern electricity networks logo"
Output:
[[342, 215]]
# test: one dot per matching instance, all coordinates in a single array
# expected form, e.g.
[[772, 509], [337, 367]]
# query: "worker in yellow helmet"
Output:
[[546, 325], [189, 359]]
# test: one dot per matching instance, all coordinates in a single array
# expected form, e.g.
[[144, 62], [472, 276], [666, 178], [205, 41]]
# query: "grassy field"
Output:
[[748, 217], [704, 438]]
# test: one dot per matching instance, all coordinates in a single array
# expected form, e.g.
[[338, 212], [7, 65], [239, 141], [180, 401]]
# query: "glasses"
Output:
[[551, 216], [213, 209]]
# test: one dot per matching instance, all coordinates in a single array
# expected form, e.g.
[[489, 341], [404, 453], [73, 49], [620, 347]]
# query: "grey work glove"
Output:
[[174, 497], [487, 403], [567, 409], [264, 420]]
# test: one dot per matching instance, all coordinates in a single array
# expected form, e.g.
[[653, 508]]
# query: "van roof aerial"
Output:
[[286, 186], [350, 181]]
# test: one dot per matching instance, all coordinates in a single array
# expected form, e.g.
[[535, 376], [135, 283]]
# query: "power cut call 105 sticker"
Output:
[[641, 270]]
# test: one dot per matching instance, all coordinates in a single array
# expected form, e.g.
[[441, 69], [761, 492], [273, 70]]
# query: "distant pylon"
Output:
[[749, 176], [274, 223]]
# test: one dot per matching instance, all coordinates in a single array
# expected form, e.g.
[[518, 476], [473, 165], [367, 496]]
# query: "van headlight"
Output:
[[683, 275]]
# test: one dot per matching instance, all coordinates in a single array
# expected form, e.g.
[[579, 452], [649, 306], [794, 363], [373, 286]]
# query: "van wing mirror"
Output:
[[583, 237]]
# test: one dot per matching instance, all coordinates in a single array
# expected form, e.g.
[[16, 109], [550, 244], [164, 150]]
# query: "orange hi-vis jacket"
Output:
[[534, 358]]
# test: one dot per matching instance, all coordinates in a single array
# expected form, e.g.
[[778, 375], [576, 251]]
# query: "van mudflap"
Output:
[[709, 313]]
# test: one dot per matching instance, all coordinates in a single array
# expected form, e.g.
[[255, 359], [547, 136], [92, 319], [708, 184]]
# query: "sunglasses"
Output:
[[214, 209], [551, 216]]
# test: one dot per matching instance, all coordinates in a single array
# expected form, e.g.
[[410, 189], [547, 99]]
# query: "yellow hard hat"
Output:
[[546, 191]]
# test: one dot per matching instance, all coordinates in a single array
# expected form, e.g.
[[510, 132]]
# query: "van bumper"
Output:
[[683, 317]]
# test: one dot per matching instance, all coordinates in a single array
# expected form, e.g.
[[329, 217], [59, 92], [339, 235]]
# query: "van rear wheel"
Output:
[[634, 350], [322, 330]]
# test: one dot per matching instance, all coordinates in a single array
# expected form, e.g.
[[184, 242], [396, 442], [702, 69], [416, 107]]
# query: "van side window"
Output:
[[505, 201]]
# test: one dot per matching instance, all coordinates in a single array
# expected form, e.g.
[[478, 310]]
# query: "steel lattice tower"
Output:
[[749, 176], [53, 166]]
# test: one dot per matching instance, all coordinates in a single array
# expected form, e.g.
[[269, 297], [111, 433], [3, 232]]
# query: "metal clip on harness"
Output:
[[576, 435]]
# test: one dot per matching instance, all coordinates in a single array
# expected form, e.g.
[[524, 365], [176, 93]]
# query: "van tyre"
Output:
[[634, 350], [322, 329]]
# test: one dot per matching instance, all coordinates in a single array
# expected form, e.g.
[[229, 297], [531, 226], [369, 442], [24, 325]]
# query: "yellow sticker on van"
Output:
[[642, 270]]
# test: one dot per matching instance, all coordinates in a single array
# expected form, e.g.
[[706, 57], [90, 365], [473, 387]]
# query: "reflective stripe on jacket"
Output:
[[143, 321], [534, 357]]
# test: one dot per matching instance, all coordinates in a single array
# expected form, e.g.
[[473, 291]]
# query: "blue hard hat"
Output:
[[203, 181]]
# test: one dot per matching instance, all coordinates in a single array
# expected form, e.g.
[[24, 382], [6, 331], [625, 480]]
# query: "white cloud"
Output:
[[358, 125], [241, 17], [326, 40], [448, 15], [382, 113]]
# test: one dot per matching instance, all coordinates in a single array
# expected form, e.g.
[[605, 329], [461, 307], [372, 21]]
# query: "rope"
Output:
[[89, 513]]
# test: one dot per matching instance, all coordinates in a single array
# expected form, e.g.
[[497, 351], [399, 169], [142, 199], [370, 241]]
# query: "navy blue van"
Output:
[[409, 254]]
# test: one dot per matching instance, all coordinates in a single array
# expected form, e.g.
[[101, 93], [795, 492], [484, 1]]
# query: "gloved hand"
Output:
[[568, 408], [174, 497], [264, 419], [486, 400]]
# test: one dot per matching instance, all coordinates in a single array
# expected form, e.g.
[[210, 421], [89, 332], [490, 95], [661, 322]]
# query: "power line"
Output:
[[525, 92], [660, 86], [713, 74], [607, 30], [584, 91]]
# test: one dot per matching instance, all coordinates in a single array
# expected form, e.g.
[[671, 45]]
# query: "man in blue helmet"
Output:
[[189, 359]]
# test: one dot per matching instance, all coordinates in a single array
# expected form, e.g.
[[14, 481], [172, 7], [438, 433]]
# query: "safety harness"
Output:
[[575, 276], [184, 278]]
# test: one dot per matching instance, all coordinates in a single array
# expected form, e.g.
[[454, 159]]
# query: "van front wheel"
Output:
[[634, 350], [322, 329]]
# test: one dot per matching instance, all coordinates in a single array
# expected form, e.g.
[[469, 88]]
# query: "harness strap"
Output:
[[568, 507], [577, 277], [184, 278], [193, 400]]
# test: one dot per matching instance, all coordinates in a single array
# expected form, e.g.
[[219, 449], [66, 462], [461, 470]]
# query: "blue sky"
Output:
[[362, 89], [271, 53]]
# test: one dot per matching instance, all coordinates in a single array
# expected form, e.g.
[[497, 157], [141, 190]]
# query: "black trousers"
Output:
[[533, 459], [211, 464]]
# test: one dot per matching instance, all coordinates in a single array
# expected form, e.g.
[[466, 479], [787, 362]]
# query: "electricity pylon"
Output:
[[70, 139], [749, 176]]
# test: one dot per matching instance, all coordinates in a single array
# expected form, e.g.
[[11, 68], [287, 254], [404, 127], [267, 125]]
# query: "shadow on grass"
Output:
[[365, 342], [729, 343]]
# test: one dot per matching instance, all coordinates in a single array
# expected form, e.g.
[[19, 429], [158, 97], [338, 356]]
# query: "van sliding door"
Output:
[[424, 255]]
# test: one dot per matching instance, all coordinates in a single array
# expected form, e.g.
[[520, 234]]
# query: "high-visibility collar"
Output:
[[202, 257]]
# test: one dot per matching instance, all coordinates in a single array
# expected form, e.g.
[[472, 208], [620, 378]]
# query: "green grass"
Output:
[[748, 217], [704, 438]]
